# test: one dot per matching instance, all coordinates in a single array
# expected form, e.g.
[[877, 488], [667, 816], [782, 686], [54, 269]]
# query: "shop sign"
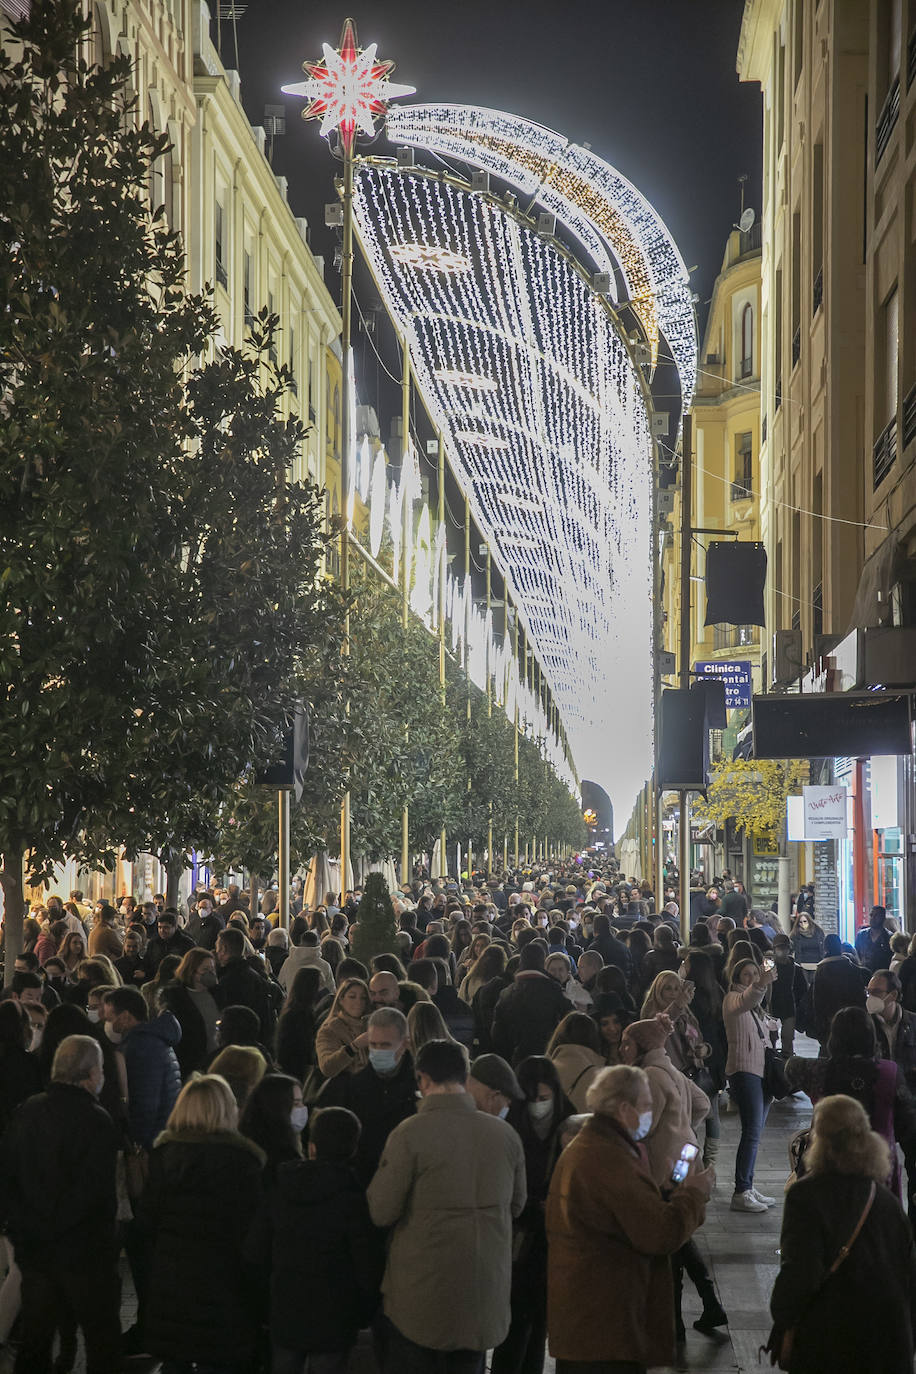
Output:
[[736, 675], [825, 812]]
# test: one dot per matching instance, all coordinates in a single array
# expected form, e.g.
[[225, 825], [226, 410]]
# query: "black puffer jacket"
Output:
[[325, 1259], [196, 1211], [526, 1016]]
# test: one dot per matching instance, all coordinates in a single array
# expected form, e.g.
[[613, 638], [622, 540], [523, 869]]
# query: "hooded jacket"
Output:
[[577, 1067], [153, 1075], [314, 1237]]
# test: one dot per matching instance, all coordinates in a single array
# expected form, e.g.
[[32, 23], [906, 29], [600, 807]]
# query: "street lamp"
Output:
[[348, 90]]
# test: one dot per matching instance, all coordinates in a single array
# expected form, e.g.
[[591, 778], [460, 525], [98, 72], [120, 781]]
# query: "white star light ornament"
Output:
[[349, 90]]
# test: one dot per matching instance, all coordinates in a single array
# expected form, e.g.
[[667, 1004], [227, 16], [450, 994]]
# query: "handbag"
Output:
[[775, 1083], [798, 1146], [780, 1343]]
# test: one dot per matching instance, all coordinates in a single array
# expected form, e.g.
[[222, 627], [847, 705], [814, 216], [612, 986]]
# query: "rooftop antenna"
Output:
[[229, 9]]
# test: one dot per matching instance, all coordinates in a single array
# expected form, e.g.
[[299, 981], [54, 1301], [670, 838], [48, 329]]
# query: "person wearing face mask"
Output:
[[381, 1095], [678, 1108], [493, 1085], [807, 940], [895, 1029], [189, 997], [274, 1117], [539, 1118], [456, 1174], [148, 1047], [610, 1232]]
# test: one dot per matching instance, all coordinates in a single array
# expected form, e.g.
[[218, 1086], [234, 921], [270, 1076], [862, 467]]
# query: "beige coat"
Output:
[[334, 1036], [577, 1067], [609, 1235], [678, 1107], [449, 1183]]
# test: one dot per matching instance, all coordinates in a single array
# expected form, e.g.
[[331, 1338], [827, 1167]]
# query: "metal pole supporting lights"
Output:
[[348, 91]]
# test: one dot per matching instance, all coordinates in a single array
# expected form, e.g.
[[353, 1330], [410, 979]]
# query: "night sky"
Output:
[[650, 84]]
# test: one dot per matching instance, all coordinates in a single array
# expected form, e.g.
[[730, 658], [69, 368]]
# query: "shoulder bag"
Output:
[[780, 1343]]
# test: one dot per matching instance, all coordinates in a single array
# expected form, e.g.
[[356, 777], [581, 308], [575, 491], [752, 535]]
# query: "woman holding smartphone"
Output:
[[747, 1042]]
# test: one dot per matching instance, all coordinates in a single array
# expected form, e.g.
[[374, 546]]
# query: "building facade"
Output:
[[725, 495], [838, 404]]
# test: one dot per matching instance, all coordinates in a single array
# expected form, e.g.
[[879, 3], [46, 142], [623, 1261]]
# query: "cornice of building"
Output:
[[760, 20]]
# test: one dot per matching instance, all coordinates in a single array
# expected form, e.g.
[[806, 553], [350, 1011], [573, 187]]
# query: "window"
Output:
[[291, 363], [743, 484], [747, 341], [799, 40], [889, 357], [272, 351], [796, 287], [777, 341], [246, 291], [219, 218]]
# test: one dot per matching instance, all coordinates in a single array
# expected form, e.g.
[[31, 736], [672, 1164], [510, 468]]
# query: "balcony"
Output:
[[909, 417], [911, 60], [746, 368], [763, 430], [817, 295], [734, 636], [777, 399], [886, 120], [796, 346], [222, 277], [884, 453], [740, 491]]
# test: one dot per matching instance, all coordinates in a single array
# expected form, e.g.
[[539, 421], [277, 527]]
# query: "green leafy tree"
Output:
[[376, 925], [158, 570]]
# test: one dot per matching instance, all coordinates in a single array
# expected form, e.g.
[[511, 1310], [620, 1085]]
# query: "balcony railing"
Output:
[[222, 276], [741, 491], [817, 603], [796, 346], [911, 60], [777, 399], [886, 120], [909, 417], [746, 368], [763, 430], [817, 295], [884, 453], [734, 636]]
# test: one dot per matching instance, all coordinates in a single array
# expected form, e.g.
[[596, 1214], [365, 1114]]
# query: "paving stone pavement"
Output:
[[741, 1250]]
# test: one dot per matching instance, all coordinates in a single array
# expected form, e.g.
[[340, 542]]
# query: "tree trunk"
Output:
[[13, 912], [254, 887], [173, 871]]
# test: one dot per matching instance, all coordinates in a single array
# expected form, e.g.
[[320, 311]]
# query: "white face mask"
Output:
[[539, 1111], [298, 1118], [113, 1035], [874, 1005], [643, 1126], [503, 1113], [94, 1015], [37, 1035]]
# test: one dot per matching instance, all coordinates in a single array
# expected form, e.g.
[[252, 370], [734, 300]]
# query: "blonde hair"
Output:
[[621, 1083], [241, 1067], [205, 1104], [424, 1023], [345, 987], [652, 1002], [191, 961], [843, 1142]]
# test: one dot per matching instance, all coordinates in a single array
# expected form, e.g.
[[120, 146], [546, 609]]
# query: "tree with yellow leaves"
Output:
[[752, 794]]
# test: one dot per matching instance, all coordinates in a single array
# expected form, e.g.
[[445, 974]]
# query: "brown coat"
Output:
[[449, 1183], [577, 1067], [678, 1107], [610, 1232], [104, 939], [332, 1042]]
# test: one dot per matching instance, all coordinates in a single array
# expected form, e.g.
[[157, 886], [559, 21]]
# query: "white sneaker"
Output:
[[762, 1197], [747, 1202]]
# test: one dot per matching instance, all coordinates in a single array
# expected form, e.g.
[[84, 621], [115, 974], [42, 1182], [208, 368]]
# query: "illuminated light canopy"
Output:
[[348, 90], [606, 213], [468, 381], [430, 257], [557, 465]]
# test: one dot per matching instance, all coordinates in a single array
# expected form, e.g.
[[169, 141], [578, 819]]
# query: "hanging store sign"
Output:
[[825, 812], [736, 675]]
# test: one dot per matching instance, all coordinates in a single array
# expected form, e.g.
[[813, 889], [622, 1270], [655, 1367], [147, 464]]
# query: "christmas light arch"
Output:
[[544, 416]]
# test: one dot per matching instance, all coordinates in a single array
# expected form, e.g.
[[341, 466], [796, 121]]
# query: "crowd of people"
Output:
[[499, 1134]]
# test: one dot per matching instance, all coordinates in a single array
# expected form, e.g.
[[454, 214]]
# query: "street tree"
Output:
[[158, 569]]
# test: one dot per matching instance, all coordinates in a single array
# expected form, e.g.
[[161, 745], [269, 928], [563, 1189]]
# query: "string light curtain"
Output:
[[547, 431]]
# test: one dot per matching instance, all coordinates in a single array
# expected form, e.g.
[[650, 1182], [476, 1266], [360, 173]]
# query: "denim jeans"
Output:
[[747, 1093]]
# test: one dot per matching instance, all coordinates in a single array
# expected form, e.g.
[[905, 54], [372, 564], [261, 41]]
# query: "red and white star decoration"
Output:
[[349, 90]]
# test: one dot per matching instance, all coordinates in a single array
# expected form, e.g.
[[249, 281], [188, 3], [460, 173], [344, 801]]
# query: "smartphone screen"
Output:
[[682, 1163]]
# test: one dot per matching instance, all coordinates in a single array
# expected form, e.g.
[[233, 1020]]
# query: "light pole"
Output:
[[347, 90]]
